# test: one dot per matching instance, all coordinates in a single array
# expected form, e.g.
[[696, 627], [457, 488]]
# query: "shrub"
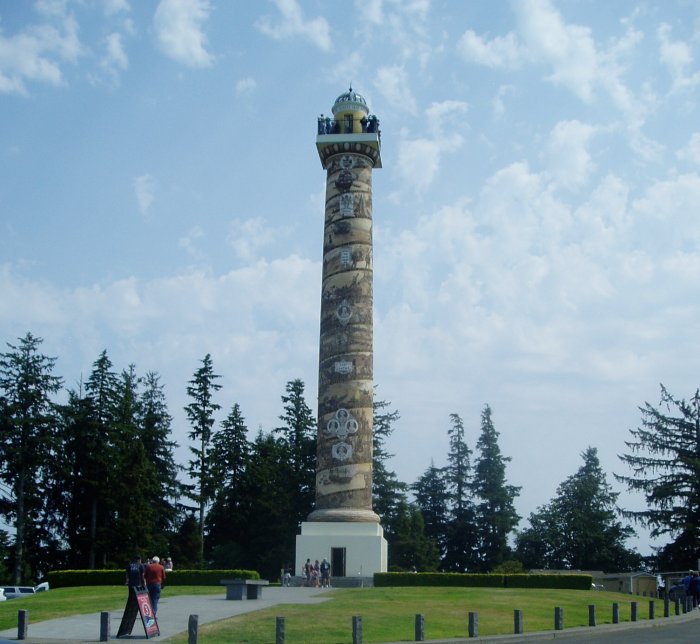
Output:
[[437, 579], [68, 578], [468, 580]]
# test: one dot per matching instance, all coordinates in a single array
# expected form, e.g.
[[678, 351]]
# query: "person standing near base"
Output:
[[155, 578]]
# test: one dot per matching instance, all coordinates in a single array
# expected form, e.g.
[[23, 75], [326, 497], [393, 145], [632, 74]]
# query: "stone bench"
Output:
[[244, 588]]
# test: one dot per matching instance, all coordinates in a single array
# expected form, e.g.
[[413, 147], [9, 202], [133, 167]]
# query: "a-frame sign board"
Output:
[[139, 603]]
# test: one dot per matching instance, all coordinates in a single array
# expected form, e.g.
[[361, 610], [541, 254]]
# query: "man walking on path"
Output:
[[155, 578], [135, 574]]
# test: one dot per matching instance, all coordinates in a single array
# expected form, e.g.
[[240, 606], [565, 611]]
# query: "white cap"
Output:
[[155, 559]]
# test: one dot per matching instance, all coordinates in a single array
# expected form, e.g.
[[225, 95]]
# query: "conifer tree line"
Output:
[[88, 478]]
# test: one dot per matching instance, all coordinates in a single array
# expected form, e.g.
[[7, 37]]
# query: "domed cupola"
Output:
[[350, 101], [352, 128]]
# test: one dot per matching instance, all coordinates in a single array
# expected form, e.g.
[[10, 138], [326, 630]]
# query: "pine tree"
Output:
[[388, 493], [432, 498], [411, 547], [155, 431], [460, 536], [496, 517], [100, 451], [268, 507], [665, 462], [579, 528], [200, 413], [27, 438], [298, 438], [231, 457]]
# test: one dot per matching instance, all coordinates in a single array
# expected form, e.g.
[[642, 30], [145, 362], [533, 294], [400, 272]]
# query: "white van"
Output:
[[12, 592]]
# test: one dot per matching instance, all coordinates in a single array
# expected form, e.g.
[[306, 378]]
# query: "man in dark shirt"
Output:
[[135, 574]]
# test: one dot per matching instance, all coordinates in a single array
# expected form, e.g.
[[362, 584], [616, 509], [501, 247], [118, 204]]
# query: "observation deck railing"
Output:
[[348, 125]]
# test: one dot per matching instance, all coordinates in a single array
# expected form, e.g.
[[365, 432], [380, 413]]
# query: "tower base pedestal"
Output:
[[352, 548]]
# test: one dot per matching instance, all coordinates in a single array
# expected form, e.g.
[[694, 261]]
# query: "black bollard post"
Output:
[[667, 606], [22, 624], [633, 611], [104, 626], [420, 628], [591, 615], [677, 605], [558, 618], [652, 609], [357, 629], [473, 624], [517, 621], [616, 613], [193, 629], [279, 630]]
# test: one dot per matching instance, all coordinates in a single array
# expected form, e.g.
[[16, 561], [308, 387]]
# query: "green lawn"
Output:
[[388, 614], [62, 602]]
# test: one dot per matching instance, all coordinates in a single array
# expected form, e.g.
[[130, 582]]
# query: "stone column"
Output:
[[345, 387]]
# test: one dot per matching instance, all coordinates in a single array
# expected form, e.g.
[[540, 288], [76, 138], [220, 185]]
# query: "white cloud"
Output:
[[245, 86], [188, 242], [370, 11], [567, 155], [248, 237], [393, 83], [419, 163], [144, 189], [568, 48], [36, 54], [178, 26], [292, 24], [419, 159], [499, 108], [115, 58], [691, 152], [677, 56], [500, 52], [113, 7]]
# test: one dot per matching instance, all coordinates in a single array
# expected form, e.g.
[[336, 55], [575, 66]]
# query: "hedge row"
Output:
[[68, 578], [572, 582]]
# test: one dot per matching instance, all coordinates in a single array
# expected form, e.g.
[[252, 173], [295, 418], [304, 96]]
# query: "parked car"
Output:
[[12, 592]]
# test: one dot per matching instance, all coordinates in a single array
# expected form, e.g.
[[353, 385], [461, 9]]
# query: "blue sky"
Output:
[[536, 217]]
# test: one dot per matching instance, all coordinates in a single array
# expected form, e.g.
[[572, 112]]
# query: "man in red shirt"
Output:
[[155, 577]]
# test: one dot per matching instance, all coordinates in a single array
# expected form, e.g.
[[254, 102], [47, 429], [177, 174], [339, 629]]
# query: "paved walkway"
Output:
[[173, 616], [174, 612]]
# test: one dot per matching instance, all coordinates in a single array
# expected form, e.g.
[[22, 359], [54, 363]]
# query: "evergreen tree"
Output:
[[298, 439], [410, 546], [496, 517], [664, 457], [27, 439], [98, 470], [155, 430], [460, 535], [75, 472], [230, 456], [579, 529], [267, 507], [432, 498], [200, 414], [388, 493], [130, 525]]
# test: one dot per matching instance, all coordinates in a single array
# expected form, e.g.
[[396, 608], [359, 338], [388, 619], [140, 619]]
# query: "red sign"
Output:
[[138, 603], [150, 623]]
